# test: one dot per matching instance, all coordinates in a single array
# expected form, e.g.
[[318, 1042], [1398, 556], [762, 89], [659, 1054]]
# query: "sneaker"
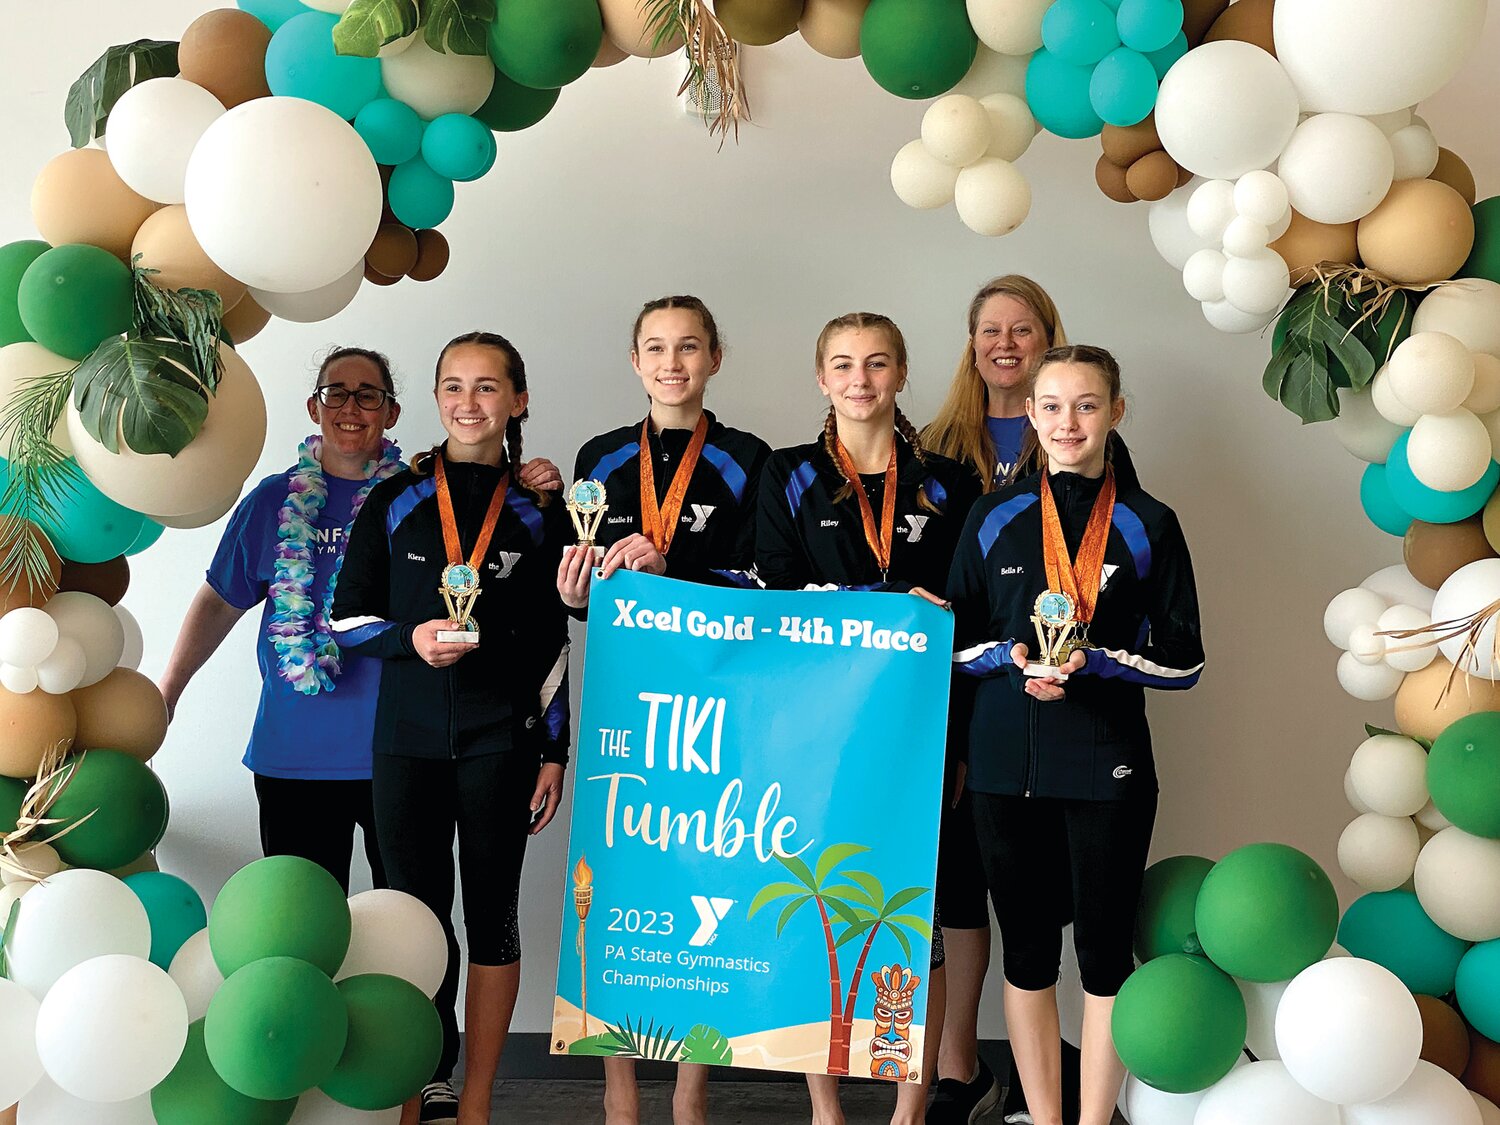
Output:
[[962, 1103], [439, 1104], [1015, 1111]]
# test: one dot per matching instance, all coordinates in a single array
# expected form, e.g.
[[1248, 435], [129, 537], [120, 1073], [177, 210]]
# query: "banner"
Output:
[[754, 832]]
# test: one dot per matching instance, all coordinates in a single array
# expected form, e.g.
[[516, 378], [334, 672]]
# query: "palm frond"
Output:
[[39, 475], [643, 1041], [710, 52]]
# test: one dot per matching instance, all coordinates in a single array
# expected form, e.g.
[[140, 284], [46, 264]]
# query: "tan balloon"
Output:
[[123, 711], [831, 27], [1445, 1039], [1423, 711], [30, 725], [1452, 170], [216, 460], [211, 514], [245, 320], [758, 23], [1433, 551], [1110, 178], [1125, 144], [79, 197], [1152, 177], [166, 243], [224, 51], [1421, 232], [1249, 21], [626, 26], [22, 591], [609, 54], [1306, 243]]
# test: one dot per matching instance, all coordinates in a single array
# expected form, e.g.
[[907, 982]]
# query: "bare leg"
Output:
[[911, 1097], [1101, 1069], [622, 1097], [968, 961], [410, 1112], [488, 1004], [8, 1116], [824, 1091], [690, 1098], [1036, 1040]]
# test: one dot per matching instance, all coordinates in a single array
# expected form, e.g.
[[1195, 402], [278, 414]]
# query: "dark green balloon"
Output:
[[1266, 912], [276, 1028], [1463, 773], [512, 107], [131, 816], [194, 1094], [72, 297], [1484, 259], [15, 257], [280, 906], [395, 1039], [917, 48], [1179, 1024], [12, 793], [1169, 893], [545, 44]]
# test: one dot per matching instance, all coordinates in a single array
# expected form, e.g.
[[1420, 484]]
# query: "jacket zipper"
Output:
[[1030, 746]]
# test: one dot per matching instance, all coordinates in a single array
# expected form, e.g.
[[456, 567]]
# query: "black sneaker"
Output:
[[439, 1104], [1015, 1111], [962, 1103]]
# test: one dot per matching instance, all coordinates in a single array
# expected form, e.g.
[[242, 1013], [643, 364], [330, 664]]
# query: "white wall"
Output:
[[617, 197]]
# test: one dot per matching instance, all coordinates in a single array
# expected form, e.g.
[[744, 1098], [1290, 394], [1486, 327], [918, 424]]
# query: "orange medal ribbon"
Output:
[[659, 524], [1078, 579], [880, 541], [449, 521]]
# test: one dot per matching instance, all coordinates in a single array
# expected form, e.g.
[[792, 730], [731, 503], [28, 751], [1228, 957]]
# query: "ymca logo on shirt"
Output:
[[330, 540], [1109, 572], [507, 563], [914, 526], [701, 512]]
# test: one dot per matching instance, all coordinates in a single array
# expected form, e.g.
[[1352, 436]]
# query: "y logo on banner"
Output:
[[711, 912]]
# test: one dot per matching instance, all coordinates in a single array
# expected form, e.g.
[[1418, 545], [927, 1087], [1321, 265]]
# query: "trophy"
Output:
[[459, 586], [586, 505], [1055, 619]]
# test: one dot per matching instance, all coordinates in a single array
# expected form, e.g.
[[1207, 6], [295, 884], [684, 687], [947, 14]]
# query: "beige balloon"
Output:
[[166, 243], [625, 25], [223, 453], [30, 725], [211, 514], [79, 197], [22, 361], [1421, 233], [245, 320], [123, 711], [758, 23], [831, 27], [608, 54], [1423, 711]]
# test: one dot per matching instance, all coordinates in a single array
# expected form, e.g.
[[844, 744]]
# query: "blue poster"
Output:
[[754, 831]]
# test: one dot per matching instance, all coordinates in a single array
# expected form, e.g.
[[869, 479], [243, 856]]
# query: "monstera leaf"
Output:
[[100, 86], [143, 390], [368, 25], [707, 1046], [458, 27]]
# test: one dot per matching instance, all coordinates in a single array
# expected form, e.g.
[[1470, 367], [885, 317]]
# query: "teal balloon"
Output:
[[1149, 25], [1379, 504], [1478, 987], [301, 63], [150, 532], [1484, 259], [1391, 929], [512, 107], [458, 147], [1179, 1024], [194, 1094], [85, 525], [1428, 504], [175, 911], [418, 196], [392, 130], [917, 48], [273, 13], [1080, 32], [15, 257], [545, 44], [1266, 912], [1122, 89], [1058, 93], [72, 297], [1463, 773], [1162, 60], [1164, 921], [280, 906], [395, 1040]]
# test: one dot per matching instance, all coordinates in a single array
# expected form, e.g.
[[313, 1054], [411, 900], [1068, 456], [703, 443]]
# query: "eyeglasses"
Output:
[[366, 398]]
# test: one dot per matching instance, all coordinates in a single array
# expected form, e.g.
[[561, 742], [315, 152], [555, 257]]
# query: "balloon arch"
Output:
[[283, 154]]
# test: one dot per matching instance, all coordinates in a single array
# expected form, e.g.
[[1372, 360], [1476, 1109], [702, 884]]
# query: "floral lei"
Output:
[[306, 653]]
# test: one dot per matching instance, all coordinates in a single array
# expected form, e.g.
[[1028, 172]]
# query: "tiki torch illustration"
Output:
[[583, 896]]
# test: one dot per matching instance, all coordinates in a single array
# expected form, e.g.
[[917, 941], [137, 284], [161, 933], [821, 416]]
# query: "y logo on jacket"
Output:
[[507, 563]]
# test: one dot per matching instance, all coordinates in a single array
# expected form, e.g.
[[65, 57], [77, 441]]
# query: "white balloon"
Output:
[[1256, 285], [1261, 197], [1210, 209], [1012, 127], [135, 643], [1488, 1110], [1011, 27], [316, 305], [1387, 405], [40, 860], [1373, 56], [48, 1105], [1225, 108], [1174, 240], [1416, 152], [317, 1108], [434, 83], [64, 670], [1396, 585], [23, 1066], [1261, 1002], [920, 179], [1431, 372], [336, 7], [93, 624], [1432, 820], [1468, 590], [27, 637], [992, 196], [994, 73], [73, 916], [211, 514], [18, 679], [1485, 397], [1369, 682], [153, 130], [1151, 1106], [1349, 608], [1352, 795], [1431, 1096], [1389, 773], [1203, 276], [395, 934], [1392, 122], [1348, 1030], [1246, 238], [1262, 1093], [1361, 429], [283, 194], [1449, 452], [1229, 318], [1467, 309], [196, 974], [1337, 167], [1281, 225], [1365, 646], [1457, 883], [1379, 852], [956, 129], [111, 1028]]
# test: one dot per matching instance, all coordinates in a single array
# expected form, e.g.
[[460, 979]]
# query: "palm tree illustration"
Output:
[[855, 904]]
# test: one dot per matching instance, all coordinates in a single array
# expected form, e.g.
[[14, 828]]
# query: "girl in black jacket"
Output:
[[469, 738], [1066, 754]]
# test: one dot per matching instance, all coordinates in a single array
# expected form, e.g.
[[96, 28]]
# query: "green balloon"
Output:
[[1266, 912], [917, 48], [1463, 773], [1484, 259], [512, 107], [194, 1094], [1164, 923], [12, 793], [1179, 1024], [280, 906], [1391, 929], [276, 1028], [15, 257], [128, 804], [395, 1040], [72, 297], [545, 44]]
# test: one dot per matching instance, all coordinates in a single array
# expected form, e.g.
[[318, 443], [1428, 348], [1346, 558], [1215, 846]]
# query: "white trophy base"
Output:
[[1050, 671], [458, 636]]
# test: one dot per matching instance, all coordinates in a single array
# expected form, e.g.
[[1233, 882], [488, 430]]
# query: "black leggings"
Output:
[[419, 804], [315, 819], [1048, 859]]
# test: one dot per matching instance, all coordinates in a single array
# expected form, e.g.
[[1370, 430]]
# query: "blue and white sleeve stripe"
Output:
[[1115, 663], [988, 659], [744, 579], [350, 631]]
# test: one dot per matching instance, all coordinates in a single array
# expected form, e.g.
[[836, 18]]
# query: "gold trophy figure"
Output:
[[586, 504], [459, 586], [1055, 618]]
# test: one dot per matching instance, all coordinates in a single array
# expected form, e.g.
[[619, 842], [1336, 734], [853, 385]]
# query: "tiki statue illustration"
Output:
[[890, 1049]]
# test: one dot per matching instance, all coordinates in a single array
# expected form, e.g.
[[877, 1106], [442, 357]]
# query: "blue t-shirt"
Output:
[[1007, 436], [326, 736]]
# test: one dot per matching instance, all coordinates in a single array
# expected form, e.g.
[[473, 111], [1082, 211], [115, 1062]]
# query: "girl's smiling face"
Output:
[[1072, 412], [859, 374]]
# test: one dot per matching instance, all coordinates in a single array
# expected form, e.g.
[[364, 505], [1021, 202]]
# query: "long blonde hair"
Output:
[[959, 429]]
